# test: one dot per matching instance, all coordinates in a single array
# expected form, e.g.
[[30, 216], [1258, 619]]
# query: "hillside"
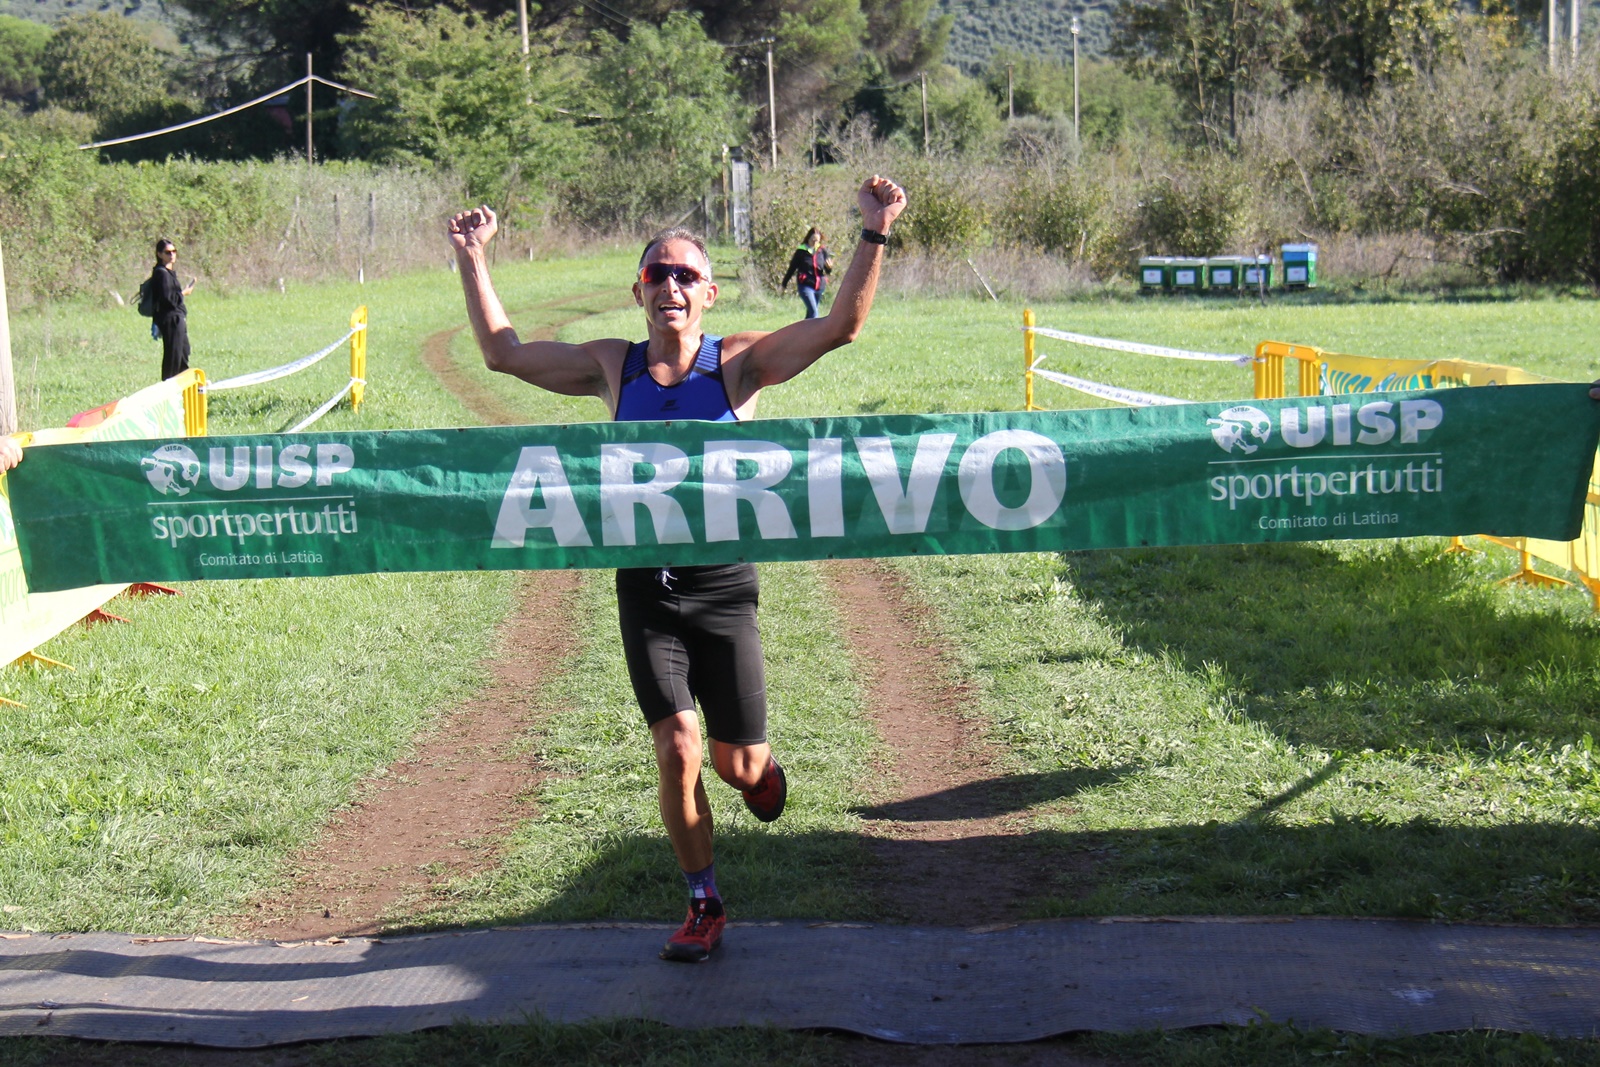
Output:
[[983, 27], [50, 11]]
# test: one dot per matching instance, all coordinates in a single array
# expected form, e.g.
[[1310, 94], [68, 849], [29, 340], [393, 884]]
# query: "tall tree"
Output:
[[271, 38], [22, 45], [670, 97], [453, 87], [1354, 44], [102, 65], [1210, 51]]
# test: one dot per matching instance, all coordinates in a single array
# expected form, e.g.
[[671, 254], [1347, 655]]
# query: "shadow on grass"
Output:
[[997, 796], [1396, 647], [1529, 872]]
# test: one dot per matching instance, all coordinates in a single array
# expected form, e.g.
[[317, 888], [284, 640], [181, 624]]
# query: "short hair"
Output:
[[676, 233], [162, 244]]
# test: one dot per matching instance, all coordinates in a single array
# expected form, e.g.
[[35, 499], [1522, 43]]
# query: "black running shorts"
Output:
[[690, 633]]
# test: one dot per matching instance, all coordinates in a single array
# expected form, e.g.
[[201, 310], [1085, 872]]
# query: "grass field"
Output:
[[1345, 728]]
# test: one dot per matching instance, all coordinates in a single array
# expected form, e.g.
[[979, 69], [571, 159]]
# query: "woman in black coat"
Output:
[[171, 317]]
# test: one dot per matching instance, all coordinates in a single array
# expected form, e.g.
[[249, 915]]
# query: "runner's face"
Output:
[[668, 304]]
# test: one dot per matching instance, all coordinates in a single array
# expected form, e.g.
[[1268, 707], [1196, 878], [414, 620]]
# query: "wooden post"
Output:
[[308, 109], [924, 113], [772, 108], [8, 384], [1551, 19]]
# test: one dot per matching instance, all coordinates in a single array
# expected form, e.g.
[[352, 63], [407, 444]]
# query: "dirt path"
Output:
[[947, 826], [439, 814]]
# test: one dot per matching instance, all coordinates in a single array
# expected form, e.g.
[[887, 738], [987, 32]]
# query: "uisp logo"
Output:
[[172, 469], [1231, 429], [175, 469]]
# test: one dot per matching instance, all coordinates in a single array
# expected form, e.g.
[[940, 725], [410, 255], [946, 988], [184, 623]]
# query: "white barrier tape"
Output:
[[261, 377], [324, 409], [1131, 397], [1138, 349]]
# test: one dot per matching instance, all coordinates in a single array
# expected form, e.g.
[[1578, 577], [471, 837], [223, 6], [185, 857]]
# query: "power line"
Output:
[[228, 111], [605, 11]]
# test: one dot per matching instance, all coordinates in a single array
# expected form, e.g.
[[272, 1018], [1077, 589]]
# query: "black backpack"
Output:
[[147, 299]]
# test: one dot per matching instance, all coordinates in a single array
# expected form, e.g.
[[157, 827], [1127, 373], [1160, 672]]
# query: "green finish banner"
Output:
[[1512, 461]]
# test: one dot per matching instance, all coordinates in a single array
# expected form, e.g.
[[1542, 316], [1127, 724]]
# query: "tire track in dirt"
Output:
[[440, 813], [949, 827]]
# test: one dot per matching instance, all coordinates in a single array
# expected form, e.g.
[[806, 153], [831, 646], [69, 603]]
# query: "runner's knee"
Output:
[[741, 766], [678, 746]]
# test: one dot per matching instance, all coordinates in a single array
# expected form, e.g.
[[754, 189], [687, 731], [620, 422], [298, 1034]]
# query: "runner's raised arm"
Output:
[[761, 359], [572, 370]]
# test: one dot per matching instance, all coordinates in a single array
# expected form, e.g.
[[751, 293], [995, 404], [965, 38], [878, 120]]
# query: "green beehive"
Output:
[[1155, 273], [1258, 272], [1223, 274], [1299, 266], [1188, 275]]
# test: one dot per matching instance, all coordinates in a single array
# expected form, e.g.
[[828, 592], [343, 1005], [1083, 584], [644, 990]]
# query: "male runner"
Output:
[[689, 633]]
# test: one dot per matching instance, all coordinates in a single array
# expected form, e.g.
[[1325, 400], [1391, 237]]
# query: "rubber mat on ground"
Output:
[[926, 985]]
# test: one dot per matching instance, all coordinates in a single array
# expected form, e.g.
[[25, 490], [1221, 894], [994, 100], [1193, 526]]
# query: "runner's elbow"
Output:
[[846, 333], [500, 351]]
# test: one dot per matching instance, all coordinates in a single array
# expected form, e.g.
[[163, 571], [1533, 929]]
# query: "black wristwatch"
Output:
[[873, 237]]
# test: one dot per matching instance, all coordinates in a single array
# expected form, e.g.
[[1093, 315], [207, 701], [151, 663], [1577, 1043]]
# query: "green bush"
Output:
[[1057, 212], [787, 203], [946, 207], [1200, 211], [1562, 240]]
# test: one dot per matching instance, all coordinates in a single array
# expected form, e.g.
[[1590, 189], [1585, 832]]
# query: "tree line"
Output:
[[1209, 122]]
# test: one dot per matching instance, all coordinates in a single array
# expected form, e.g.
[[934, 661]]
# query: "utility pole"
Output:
[[1011, 108], [522, 23], [1077, 27], [924, 113], [772, 107], [8, 383], [308, 105]]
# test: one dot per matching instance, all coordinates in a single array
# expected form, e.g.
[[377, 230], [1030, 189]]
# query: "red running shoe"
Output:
[[766, 800], [700, 933]]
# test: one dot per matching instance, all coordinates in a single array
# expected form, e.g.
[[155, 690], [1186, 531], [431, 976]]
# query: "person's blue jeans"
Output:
[[808, 297]]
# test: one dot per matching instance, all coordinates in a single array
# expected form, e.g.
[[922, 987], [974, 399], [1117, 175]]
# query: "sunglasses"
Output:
[[656, 273]]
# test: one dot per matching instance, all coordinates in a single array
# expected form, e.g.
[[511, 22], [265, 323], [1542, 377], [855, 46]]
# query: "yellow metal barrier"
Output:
[[1027, 359], [358, 357], [1335, 372], [1271, 369], [194, 403]]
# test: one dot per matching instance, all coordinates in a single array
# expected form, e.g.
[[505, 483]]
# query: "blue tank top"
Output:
[[701, 394]]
